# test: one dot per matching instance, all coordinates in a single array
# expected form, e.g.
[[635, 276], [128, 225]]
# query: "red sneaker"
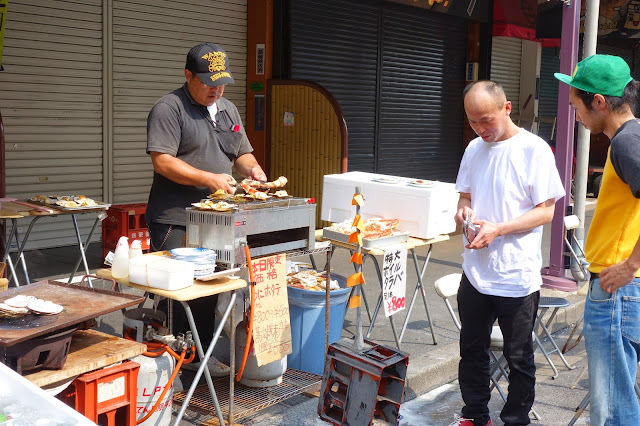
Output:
[[461, 421]]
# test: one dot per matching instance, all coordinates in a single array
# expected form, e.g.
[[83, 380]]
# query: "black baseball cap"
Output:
[[210, 63]]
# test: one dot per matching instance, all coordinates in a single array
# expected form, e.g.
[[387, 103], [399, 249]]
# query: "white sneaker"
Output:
[[216, 368]]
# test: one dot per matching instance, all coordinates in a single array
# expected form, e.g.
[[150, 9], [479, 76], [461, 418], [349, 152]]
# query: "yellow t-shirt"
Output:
[[615, 226]]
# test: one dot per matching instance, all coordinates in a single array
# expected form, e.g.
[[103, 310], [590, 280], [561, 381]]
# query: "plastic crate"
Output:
[[125, 220], [107, 396]]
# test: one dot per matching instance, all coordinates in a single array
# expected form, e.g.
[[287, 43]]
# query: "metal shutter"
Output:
[[52, 107], [548, 105], [506, 54], [151, 39], [335, 44], [390, 78], [422, 81]]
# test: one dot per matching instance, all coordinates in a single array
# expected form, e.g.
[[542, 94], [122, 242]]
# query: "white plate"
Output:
[[422, 183], [219, 274], [385, 180]]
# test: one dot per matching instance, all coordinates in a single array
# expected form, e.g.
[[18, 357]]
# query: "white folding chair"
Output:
[[579, 270], [447, 287]]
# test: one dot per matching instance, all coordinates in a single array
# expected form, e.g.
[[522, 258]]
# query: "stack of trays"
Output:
[[203, 259]]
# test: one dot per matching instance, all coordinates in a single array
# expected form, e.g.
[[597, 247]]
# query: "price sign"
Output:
[[271, 326], [394, 276]]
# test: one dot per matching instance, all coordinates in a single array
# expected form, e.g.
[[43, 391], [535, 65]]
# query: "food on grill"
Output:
[[68, 201], [44, 307], [260, 190], [281, 194], [374, 228], [220, 194], [220, 206], [310, 280], [19, 301], [7, 311]]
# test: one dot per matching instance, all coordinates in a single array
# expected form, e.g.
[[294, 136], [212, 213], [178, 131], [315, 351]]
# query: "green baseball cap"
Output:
[[603, 74]]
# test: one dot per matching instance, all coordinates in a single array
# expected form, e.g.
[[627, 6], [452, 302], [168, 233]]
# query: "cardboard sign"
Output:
[[271, 326], [394, 276]]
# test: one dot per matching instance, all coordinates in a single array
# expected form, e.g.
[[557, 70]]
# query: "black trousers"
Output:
[[167, 237], [516, 317]]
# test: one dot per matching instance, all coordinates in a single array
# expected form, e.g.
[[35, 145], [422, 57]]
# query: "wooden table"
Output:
[[197, 290], [372, 252], [13, 211], [89, 351]]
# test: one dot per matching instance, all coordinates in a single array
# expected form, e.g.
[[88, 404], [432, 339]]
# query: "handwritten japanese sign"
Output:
[[394, 276], [271, 325]]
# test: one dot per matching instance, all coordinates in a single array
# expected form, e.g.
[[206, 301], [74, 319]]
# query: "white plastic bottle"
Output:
[[136, 249], [120, 264]]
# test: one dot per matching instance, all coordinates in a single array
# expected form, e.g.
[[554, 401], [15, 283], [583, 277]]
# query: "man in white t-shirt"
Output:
[[508, 185]]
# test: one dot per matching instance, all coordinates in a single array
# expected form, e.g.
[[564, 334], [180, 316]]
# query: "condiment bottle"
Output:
[[120, 264], [136, 249]]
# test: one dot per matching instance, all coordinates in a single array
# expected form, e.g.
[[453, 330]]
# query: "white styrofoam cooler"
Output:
[[423, 212]]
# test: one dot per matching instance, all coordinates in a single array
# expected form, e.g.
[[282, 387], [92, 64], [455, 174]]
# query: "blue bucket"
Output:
[[307, 312]]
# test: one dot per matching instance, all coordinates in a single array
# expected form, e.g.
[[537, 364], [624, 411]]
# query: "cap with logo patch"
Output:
[[603, 74], [210, 63]]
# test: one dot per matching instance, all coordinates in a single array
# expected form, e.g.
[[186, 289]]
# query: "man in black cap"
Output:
[[195, 137]]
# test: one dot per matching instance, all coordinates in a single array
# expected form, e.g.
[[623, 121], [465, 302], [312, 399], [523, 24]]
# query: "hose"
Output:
[[249, 342], [166, 388]]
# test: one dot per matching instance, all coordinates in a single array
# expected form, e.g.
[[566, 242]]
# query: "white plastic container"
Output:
[[425, 212], [120, 264], [136, 249], [138, 268], [170, 274]]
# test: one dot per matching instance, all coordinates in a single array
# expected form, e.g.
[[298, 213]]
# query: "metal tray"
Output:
[[397, 237], [99, 205], [80, 304]]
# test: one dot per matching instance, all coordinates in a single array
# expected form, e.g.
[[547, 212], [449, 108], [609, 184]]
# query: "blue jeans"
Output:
[[612, 338]]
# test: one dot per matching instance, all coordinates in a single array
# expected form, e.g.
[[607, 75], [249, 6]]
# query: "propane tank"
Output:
[[253, 376], [153, 376]]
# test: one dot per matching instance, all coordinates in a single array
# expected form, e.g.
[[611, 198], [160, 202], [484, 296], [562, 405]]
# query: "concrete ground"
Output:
[[431, 392]]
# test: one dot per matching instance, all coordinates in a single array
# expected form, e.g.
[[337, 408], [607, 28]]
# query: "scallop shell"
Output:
[[12, 310], [45, 307], [19, 301]]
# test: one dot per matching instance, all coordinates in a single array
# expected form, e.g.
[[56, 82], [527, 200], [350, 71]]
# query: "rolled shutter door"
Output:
[[506, 53], [52, 107], [150, 44]]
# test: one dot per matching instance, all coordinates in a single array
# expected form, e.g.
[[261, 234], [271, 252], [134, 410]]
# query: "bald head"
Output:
[[488, 111], [486, 88]]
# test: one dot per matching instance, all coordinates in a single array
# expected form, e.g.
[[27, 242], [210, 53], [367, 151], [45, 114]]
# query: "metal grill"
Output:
[[247, 400]]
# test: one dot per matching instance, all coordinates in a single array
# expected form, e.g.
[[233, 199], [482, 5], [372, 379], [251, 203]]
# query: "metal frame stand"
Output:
[[545, 304]]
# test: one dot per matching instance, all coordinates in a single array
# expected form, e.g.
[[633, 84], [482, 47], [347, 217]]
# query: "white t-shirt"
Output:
[[506, 179]]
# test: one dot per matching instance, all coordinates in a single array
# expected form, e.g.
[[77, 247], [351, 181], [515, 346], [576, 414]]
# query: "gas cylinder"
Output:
[[253, 375], [153, 376]]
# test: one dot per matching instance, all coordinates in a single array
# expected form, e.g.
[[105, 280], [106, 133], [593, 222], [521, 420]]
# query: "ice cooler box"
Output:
[[425, 212]]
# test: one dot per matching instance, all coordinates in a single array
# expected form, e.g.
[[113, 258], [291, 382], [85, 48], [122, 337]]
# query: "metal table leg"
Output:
[[83, 249], [21, 247], [420, 285], [7, 247], [540, 323], [203, 361], [379, 304]]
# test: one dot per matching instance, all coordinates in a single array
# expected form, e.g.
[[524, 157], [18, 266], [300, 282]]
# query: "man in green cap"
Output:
[[604, 96]]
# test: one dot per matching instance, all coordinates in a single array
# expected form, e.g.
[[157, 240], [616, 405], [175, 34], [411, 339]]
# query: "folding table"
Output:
[[544, 305], [14, 211], [197, 290], [411, 245]]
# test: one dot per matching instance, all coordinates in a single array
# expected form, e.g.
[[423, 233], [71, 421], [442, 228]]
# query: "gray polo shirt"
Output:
[[179, 126]]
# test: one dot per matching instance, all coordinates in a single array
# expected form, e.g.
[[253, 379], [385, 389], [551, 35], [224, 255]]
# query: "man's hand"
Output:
[[220, 181], [462, 214], [486, 232], [616, 276], [256, 173]]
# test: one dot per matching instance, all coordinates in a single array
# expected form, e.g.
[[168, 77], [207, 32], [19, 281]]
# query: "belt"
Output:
[[594, 275]]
